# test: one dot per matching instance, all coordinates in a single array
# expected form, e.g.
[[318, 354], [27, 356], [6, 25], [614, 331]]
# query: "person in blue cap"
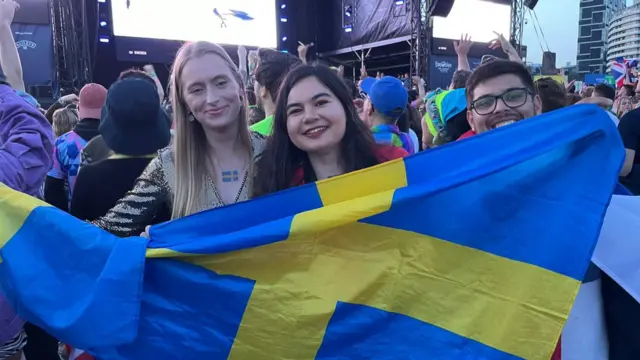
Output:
[[386, 100]]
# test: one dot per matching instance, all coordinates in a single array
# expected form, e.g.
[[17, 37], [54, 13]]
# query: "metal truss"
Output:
[[71, 44], [419, 40], [517, 24]]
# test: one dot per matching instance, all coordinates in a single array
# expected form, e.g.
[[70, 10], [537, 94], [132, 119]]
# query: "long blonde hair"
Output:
[[189, 145], [64, 120]]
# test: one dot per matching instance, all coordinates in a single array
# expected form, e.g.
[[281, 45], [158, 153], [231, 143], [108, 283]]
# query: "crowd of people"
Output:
[[131, 156]]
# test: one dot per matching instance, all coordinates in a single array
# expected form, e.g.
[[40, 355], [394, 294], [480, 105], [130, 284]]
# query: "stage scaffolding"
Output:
[[517, 24], [71, 45], [419, 38]]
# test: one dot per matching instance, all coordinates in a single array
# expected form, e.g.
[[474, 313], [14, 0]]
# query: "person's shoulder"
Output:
[[108, 166], [632, 115], [613, 117], [91, 175], [630, 122], [14, 102], [165, 155], [90, 170], [17, 111], [7, 91], [390, 152], [257, 136], [258, 143], [96, 141], [466, 135], [65, 139], [263, 127]]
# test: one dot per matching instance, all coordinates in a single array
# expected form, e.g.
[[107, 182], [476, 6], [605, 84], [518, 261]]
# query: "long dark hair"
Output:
[[281, 158]]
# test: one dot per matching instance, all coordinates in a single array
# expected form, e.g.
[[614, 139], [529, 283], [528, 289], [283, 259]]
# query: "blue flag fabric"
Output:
[[481, 259]]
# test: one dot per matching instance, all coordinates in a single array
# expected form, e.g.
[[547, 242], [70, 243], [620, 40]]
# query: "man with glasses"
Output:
[[500, 93]]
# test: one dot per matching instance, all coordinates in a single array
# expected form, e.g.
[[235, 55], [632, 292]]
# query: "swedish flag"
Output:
[[470, 251]]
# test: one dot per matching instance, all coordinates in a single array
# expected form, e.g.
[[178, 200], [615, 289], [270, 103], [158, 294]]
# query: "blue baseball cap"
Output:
[[366, 84], [388, 95]]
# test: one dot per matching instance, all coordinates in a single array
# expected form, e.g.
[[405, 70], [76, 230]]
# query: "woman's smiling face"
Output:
[[316, 120]]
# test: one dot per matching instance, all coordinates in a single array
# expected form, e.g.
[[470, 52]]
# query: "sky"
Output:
[[560, 28]]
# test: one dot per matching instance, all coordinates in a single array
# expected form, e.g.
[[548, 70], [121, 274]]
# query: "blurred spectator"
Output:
[[135, 127], [459, 80], [256, 114], [446, 117], [26, 151], [270, 71], [63, 102], [97, 149], [67, 152], [572, 99], [386, 101], [587, 91], [603, 90], [624, 105], [552, 94], [64, 120], [626, 90]]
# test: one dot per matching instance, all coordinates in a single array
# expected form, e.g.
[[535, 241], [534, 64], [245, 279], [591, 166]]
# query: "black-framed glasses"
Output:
[[512, 99]]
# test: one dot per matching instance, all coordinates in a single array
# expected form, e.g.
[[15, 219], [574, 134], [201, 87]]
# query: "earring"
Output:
[[191, 118]]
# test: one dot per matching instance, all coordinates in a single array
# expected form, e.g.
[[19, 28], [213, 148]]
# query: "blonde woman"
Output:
[[64, 120], [210, 163]]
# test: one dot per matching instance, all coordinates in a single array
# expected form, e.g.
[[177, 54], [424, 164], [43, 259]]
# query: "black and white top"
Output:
[[154, 191]]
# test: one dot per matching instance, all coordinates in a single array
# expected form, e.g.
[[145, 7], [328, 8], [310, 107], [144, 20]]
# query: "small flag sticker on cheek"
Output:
[[230, 176]]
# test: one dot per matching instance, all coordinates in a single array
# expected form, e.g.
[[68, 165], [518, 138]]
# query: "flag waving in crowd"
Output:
[[365, 265], [620, 72]]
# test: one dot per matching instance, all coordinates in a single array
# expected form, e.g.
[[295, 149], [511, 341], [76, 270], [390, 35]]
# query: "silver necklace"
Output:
[[217, 195]]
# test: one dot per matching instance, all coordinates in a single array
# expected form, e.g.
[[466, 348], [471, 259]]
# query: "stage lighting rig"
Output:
[[348, 15], [104, 32], [348, 11], [284, 27]]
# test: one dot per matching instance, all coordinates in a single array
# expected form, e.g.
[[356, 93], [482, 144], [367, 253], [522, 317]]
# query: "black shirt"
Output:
[[629, 128], [100, 185]]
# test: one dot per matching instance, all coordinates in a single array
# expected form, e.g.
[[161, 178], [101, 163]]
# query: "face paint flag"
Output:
[[472, 250]]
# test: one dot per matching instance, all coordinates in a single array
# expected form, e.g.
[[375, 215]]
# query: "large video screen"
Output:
[[33, 12], [225, 22], [477, 18]]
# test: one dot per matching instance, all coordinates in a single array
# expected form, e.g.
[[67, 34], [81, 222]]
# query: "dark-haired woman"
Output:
[[316, 134]]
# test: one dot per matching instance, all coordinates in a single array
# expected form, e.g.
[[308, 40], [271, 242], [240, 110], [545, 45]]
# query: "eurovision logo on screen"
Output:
[[26, 44]]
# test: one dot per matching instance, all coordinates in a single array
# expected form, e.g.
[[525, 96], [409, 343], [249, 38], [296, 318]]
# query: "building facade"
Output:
[[595, 15], [623, 35]]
